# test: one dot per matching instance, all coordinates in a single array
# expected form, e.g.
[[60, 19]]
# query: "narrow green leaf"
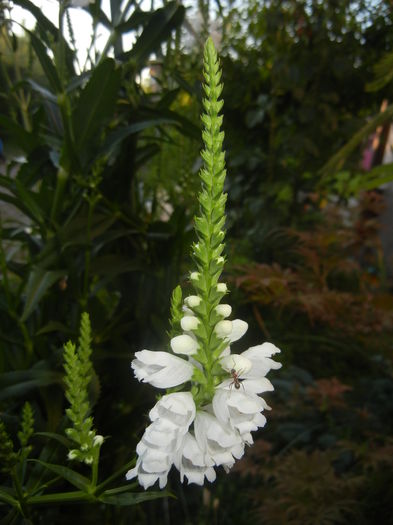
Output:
[[131, 499], [38, 14], [40, 280], [18, 383], [336, 162], [96, 102], [76, 479], [46, 63], [57, 437], [59, 497], [157, 30], [6, 498], [53, 326]]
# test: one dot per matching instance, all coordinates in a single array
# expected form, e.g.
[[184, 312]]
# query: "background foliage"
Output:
[[97, 197]]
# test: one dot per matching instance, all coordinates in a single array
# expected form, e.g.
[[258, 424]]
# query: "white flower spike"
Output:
[[209, 420]]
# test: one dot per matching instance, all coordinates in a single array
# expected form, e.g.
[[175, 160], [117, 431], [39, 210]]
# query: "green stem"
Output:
[[60, 497], [87, 254]]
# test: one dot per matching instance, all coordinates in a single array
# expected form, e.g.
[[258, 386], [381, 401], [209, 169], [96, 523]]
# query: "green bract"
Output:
[[209, 226]]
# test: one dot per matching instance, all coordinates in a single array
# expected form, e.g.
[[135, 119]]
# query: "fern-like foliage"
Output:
[[79, 373]]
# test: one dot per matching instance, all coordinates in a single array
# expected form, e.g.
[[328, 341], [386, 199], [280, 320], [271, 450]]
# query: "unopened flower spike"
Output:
[[211, 404]]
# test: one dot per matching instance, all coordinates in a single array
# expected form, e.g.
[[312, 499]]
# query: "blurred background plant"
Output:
[[98, 185]]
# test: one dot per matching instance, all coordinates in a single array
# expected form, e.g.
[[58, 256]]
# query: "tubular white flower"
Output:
[[240, 410], [192, 463], [218, 441], [224, 310], [194, 276], [161, 369], [162, 440], [184, 344], [178, 408], [189, 323]]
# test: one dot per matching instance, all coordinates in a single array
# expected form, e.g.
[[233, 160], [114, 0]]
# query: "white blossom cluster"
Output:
[[197, 440]]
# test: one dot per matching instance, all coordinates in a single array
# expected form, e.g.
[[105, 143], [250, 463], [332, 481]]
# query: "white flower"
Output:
[[161, 369], [163, 439], [239, 410], [240, 407], [219, 441], [192, 463], [184, 344], [236, 362]]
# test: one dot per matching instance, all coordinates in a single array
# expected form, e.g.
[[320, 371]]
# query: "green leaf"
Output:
[[6, 498], [157, 30], [42, 21], [25, 140], [76, 479], [336, 162], [40, 280], [53, 326], [57, 437], [46, 63], [96, 102], [18, 383], [130, 499]]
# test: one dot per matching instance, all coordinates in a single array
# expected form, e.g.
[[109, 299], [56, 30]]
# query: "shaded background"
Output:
[[100, 219]]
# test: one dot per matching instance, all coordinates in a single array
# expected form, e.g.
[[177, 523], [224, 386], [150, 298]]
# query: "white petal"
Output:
[[236, 362], [161, 369], [265, 350], [257, 385], [177, 408], [239, 328], [184, 344]]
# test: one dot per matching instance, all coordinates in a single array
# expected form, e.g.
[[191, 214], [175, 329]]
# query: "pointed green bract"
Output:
[[79, 372], [209, 226], [27, 425]]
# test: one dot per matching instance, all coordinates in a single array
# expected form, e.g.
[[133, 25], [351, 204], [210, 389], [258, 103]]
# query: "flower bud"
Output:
[[220, 260], [189, 322], [222, 287], [72, 454], [223, 328], [89, 460], [192, 301], [224, 310], [194, 276], [98, 440], [184, 344]]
